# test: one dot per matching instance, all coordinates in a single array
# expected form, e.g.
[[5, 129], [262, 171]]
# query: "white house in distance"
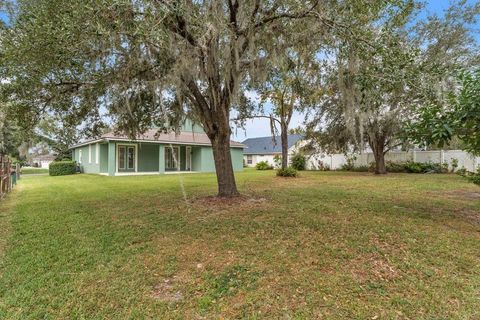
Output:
[[266, 148], [43, 161]]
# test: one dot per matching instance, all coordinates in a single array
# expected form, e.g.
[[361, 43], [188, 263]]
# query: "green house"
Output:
[[152, 153]]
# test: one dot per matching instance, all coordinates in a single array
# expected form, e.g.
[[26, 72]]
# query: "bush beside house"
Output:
[[298, 162], [62, 168], [263, 165]]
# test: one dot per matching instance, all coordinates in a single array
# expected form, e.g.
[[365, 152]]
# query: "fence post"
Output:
[[1, 177]]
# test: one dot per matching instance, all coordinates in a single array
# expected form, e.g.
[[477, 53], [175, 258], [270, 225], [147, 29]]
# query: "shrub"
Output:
[[475, 179], [322, 166], [287, 172], [454, 164], [263, 165], [420, 167], [349, 165], [62, 168], [298, 161], [462, 172], [361, 168], [413, 167], [277, 160], [395, 167]]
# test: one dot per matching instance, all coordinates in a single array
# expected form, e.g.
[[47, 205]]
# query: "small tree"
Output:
[[291, 86]]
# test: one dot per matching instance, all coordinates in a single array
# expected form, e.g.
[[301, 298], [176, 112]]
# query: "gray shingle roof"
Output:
[[184, 137], [265, 145]]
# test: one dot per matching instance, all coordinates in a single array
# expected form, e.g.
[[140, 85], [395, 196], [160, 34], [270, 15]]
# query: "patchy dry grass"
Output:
[[325, 245]]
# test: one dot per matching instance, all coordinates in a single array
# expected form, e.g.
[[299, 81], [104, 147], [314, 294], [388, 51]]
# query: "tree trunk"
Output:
[[284, 138], [380, 162], [377, 144], [227, 186]]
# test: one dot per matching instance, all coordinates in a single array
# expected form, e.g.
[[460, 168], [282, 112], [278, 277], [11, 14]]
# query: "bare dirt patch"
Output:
[[471, 215], [373, 267], [459, 194], [165, 291], [228, 205]]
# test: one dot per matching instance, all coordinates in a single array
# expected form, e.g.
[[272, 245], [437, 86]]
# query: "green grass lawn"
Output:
[[328, 245], [30, 170]]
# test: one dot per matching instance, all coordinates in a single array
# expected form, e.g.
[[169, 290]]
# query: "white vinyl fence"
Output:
[[335, 161]]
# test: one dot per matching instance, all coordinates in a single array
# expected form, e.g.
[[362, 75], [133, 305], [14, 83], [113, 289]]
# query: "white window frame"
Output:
[[178, 159], [89, 153], [80, 156], [97, 153], [118, 155]]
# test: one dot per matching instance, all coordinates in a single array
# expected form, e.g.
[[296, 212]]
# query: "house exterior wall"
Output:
[[189, 126], [87, 161], [207, 163], [270, 158], [44, 164], [237, 158], [150, 158], [104, 158], [256, 158]]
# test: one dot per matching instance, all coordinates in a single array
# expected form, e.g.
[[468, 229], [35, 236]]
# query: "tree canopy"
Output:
[[146, 62]]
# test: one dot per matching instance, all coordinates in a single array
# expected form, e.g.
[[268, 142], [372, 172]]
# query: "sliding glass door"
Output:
[[172, 158]]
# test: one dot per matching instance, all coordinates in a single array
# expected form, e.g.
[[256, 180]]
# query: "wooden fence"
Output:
[[8, 176]]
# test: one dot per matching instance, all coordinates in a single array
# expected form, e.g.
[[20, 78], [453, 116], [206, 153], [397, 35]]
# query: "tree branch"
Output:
[[257, 117]]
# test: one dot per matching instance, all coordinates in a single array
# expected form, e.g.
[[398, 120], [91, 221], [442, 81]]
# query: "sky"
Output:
[[261, 127]]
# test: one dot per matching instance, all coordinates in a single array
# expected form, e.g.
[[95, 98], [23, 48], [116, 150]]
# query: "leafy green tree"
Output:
[[445, 109], [460, 117], [146, 62], [368, 87], [9, 138], [375, 82]]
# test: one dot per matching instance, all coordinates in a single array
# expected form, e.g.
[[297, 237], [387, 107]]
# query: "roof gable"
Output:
[[268, 145]]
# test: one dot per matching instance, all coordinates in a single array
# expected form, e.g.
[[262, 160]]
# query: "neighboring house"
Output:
[[266, 148], [43, 161], [151, 153]]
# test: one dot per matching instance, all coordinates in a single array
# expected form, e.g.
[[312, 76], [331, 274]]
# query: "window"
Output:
[[121, 157], [172, 158], [131, 158], [80, 156], [89, 153], [249, 159], [126, 158]]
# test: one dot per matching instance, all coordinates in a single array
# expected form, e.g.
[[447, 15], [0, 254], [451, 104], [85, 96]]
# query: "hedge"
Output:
[[62, 168]]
